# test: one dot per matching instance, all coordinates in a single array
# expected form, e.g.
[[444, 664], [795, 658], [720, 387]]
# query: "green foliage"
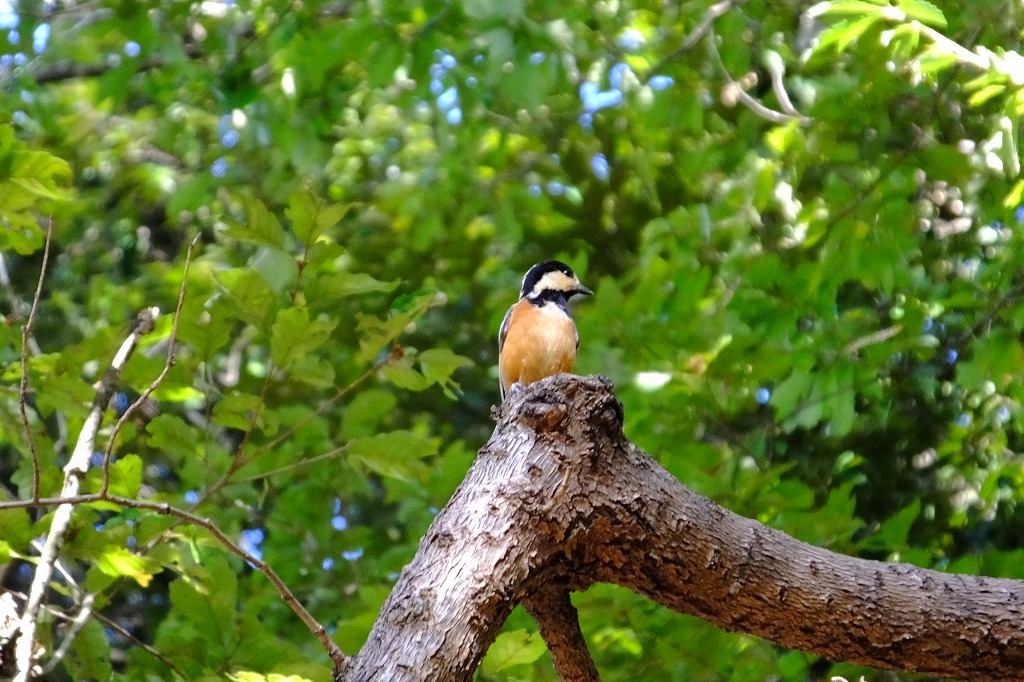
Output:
[[812, 316], [511, 649]]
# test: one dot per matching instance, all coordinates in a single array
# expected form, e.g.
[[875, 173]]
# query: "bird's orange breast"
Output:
[[541, 341]]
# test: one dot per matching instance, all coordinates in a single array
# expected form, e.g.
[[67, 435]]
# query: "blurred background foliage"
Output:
[[802, 223]]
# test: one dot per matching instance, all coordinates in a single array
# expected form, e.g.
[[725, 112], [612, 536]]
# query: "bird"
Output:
[[538, 338]]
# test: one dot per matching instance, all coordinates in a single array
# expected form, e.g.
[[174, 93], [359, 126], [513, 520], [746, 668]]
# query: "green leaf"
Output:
[[893, 534], [126, 476], [342, 284], [173, 435], [790, 392], [438, 365], [313, 371], [301, 212], [518, 647], [367, 411], [262, 226], [294, 335], [310, 220], [16, 528], [118, 561], [248, 295], [923, 11], [206, 327], [89, 657], [248, 676], [619, 640], [402, 374], [237, 410], [842, 34], [848, 7], [986, 93], [202, 623], [384, 60], [393, 454], [376, 333]]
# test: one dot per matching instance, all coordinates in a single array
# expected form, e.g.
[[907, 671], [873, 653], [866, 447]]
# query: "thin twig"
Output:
[[777, 71], [77, 623], [287, 433], [113, 625], [743, 96], [239, 459], [116, 627], [26, 334], [156, 382], [337, 656], [863, 342], [74, 472], [711, 15], [332, 454]]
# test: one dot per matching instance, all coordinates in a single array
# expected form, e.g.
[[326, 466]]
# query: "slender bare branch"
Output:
[[777, 71], [286, 434], [879, 336], [337, 656], [711, 15], [74, 472], [334, 453], [156, 382], [752, 103], [77, 623], [26, 334], [152, 651]]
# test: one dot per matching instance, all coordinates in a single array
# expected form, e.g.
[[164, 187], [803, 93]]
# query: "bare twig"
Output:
[[107, 622], [777, 71], [286, 434], [116, 627], [77, 623], [711, 15], [743, 96], [341, 661], [331, 454], [239, 459], [156, 382], [74, 472], [881, 335], [26, 334]]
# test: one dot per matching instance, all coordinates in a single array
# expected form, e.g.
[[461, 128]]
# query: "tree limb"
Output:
[[559, 496], [559, 625]]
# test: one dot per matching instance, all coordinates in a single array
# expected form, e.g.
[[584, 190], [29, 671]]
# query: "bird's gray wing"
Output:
[[502, 333]]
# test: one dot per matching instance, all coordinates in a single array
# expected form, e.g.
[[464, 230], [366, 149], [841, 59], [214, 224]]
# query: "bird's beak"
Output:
[[582, 290]]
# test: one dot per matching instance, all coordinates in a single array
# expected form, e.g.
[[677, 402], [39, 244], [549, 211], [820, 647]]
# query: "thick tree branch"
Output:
[[559, 496]]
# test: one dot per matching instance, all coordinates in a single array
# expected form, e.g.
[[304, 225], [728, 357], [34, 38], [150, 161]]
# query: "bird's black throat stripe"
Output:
[[559, 298]]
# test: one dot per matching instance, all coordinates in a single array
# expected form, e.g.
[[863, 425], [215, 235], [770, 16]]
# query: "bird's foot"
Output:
[[515, 387]]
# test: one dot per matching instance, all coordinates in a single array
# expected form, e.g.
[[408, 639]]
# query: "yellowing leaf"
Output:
[[118, 561]]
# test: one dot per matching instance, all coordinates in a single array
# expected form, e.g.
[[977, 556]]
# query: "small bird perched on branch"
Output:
[[538, 337]]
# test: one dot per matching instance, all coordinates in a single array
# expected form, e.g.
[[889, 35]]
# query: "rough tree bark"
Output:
[[559, 499]]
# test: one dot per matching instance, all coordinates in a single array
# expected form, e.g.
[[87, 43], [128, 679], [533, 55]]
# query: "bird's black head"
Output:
[[552, 278]]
